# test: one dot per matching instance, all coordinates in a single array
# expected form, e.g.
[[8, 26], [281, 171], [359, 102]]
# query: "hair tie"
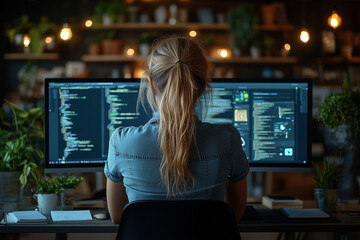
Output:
[[179, 61]]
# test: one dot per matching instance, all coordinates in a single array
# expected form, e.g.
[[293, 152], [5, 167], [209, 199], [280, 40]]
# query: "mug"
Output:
[[46, 202]]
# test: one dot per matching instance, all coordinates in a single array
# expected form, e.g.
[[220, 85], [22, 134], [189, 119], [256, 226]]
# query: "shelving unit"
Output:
[[31, 56], [339, 60]]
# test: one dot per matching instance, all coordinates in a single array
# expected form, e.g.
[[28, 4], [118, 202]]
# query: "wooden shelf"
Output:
[[278, 27], [244, 60], [185, 26], [339, 60], [161, 26], [260, 60], [111, 58], [31, 56]]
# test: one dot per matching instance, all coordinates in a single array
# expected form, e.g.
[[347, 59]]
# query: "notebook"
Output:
[[26, 217], [304, 213], [71, 215]]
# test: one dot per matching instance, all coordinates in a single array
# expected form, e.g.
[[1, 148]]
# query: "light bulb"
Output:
[[130, 52], [26, 41], [88, 23], [334, 20], [223, 53], [192, 33], [66, 33], [304, 36], [287, 47]]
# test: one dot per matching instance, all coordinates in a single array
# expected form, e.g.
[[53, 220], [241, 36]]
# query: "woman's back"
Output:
[[138, 158]]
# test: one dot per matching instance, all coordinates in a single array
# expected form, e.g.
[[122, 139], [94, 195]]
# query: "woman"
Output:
[[175, 155]]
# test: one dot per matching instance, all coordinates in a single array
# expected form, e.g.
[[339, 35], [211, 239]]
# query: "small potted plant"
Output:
[[46, 192], [68, 184], [242, 21], [146, 39], [109, 11], [110, 45], [328, 176]]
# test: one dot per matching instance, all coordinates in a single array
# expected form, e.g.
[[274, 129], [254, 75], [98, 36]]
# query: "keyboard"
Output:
[[251, 213]]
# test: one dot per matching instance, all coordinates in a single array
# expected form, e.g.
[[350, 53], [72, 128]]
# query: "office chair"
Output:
[[178, 219]]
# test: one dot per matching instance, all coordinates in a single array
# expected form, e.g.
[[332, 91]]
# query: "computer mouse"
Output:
[[100, 216]]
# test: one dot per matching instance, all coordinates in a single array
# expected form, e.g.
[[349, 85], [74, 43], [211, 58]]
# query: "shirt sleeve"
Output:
[[111, 169], [239, 163]]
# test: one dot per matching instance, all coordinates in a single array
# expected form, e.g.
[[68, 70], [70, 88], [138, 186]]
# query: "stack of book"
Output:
[[281, 201], [25, 217]]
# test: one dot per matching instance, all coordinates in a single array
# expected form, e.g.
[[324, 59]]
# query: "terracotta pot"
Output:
[[268, 13], [94, 49], [111, 47]]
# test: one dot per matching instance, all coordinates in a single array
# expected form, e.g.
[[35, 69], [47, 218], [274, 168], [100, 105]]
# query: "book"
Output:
[[281, 201], [304, 213], [26, 217], [71, 215]]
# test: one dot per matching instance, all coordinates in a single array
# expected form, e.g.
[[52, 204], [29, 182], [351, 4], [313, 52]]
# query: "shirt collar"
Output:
[[156, 118]]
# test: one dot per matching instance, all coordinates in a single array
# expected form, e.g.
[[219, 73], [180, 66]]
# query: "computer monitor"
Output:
[[272, 115]]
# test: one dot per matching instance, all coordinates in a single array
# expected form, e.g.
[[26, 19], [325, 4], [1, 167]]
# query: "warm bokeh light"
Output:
[[88, 23], [223, 53], [26, 41], [334, 20], [287, 47], [130, 52], [192, 33], [48, 40], [304, 36], [66, 33]]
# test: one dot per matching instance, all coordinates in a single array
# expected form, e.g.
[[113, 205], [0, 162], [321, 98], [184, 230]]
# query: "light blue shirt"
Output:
[[134, 158]]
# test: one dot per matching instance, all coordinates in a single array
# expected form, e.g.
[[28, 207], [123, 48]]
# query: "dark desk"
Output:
[[348, 222]]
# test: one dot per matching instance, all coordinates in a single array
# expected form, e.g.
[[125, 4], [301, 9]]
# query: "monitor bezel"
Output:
[[254, 167], [75, 167]]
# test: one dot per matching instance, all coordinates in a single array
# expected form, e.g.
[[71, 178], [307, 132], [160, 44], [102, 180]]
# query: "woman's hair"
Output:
[[180, 74]]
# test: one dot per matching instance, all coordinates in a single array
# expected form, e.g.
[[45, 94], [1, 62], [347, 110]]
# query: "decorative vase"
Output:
[[68, 198], [144, 49], [326, 199], [9, 190], [268, 13]]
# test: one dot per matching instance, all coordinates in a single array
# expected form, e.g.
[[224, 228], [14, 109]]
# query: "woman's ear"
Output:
[[152, 86]]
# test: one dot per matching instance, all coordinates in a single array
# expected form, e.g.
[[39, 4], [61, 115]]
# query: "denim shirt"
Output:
[[134, 158]]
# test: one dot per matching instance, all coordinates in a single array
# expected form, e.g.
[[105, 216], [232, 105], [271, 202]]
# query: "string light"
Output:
[[304, 35], [130, 52], [334, 20], [26, 41], [66, 33], [287, 47], [88, 23], [192, 33]]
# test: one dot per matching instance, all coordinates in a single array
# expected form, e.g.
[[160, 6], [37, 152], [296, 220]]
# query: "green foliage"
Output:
[[108, 35], [20, 25], [69, 181], [46, 185], [20, 140], [147, 37], [269, 44], [242, 21], [341, 108], [112, 8], [328, 174], [207, 41]]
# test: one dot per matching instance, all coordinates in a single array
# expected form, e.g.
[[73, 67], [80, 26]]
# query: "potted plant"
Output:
[[242, 21], [20, 27], [46, 192], [93, 46], [109, 11], [340, 113], [110, 45], [68, 184], [268, 12], [146, 39], [328, 176], [269, 44], [20, 148]]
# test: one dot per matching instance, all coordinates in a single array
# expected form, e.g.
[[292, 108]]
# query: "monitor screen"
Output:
[[273, 117]]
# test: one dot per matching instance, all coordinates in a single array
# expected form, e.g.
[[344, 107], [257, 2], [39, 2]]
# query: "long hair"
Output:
[[180, 74]]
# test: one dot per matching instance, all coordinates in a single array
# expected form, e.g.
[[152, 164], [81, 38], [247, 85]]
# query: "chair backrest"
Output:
[[178, 219]]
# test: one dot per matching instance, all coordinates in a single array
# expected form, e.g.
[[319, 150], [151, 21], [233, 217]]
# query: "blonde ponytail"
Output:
[[179, 71]]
